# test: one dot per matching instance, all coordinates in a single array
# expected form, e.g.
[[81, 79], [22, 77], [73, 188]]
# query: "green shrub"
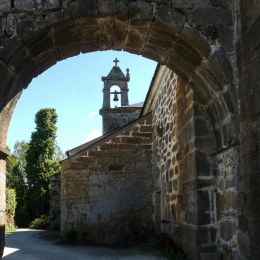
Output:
[[42, 222], [10, 202], [10, 209]]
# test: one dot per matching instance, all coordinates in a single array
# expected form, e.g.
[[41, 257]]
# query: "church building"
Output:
[[153, 170], [106, 184]]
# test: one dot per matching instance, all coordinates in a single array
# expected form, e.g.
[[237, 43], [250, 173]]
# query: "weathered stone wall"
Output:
[[195, 181], [213, 45], [55, 192], [114, 118], [175, 160], [106, 189], [226, 171], [248, 54]]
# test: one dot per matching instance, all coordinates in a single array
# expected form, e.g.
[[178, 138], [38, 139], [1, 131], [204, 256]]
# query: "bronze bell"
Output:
[[115, 96]]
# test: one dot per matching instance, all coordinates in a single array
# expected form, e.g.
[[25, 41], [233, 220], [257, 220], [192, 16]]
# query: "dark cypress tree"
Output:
[[41, 162]]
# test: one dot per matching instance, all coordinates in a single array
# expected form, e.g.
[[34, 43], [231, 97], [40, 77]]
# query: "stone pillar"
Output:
[[3, 154], [124, 96], [106, 99], [249, 91]]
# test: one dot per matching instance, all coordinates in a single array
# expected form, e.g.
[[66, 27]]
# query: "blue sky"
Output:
[[74, 88]]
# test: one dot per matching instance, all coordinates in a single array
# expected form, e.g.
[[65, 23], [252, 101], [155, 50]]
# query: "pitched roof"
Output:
[[102, 138], [116, 72], [140, 104]]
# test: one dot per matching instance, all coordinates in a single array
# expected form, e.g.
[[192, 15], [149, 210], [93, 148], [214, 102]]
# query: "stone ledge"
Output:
[[4, 153]]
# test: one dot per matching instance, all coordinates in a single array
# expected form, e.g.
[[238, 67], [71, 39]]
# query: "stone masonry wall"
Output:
[[248, 55], [195, 183], [54, 213], [114, 118], [174, 159], [226, 171], [106, 189]]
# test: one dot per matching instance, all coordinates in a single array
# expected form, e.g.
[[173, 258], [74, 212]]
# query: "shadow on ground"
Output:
[[37, 244]]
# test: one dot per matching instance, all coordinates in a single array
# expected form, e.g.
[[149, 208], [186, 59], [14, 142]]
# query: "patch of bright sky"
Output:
[[74, 88]]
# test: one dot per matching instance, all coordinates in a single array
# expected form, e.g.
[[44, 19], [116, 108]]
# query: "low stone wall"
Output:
[[106, 189]]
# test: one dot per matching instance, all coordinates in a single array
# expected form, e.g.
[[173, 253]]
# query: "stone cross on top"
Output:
[[116, 61]]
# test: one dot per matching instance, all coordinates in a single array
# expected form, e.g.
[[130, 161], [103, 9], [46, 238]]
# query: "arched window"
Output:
[[115, 96]]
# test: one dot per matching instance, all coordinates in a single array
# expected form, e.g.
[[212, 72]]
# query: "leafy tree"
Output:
[[17, 180], [41, 161]]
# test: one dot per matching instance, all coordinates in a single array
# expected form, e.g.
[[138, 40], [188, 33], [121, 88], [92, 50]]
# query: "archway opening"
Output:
[[74, 88], [115, 98], [170, 40]]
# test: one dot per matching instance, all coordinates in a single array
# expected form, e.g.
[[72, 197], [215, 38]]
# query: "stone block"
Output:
[[5, 6], [11, 25], [203, 236], [158, 42], [25, 5], [192, 35], [212, 16], [131, 140], [110, 146], [135, 40], [7, 79], [106, 26], [244, 244], [32, 5], [211, 256], [139, 9], [106, 7], [191, 55], [203, 201], [2, 26], [220, 57], [119, 33], [87, 7], [243, 223], [50, 4], [203, 183], [203, 165], [190, 3], [227, 229], [201, 127], [44, 61], [169, 16]]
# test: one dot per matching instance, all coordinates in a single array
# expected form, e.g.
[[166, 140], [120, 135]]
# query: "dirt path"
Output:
[[30, 244]]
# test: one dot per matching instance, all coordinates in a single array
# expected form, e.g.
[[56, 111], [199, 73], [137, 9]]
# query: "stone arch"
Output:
[[36, 39], [36, 36]]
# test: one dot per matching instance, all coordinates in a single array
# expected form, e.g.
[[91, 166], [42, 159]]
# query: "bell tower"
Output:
[[115, 78], [114, 117]]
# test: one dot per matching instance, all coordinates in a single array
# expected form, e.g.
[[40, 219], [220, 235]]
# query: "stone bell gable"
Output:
[[107, 186], [122, 113]]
